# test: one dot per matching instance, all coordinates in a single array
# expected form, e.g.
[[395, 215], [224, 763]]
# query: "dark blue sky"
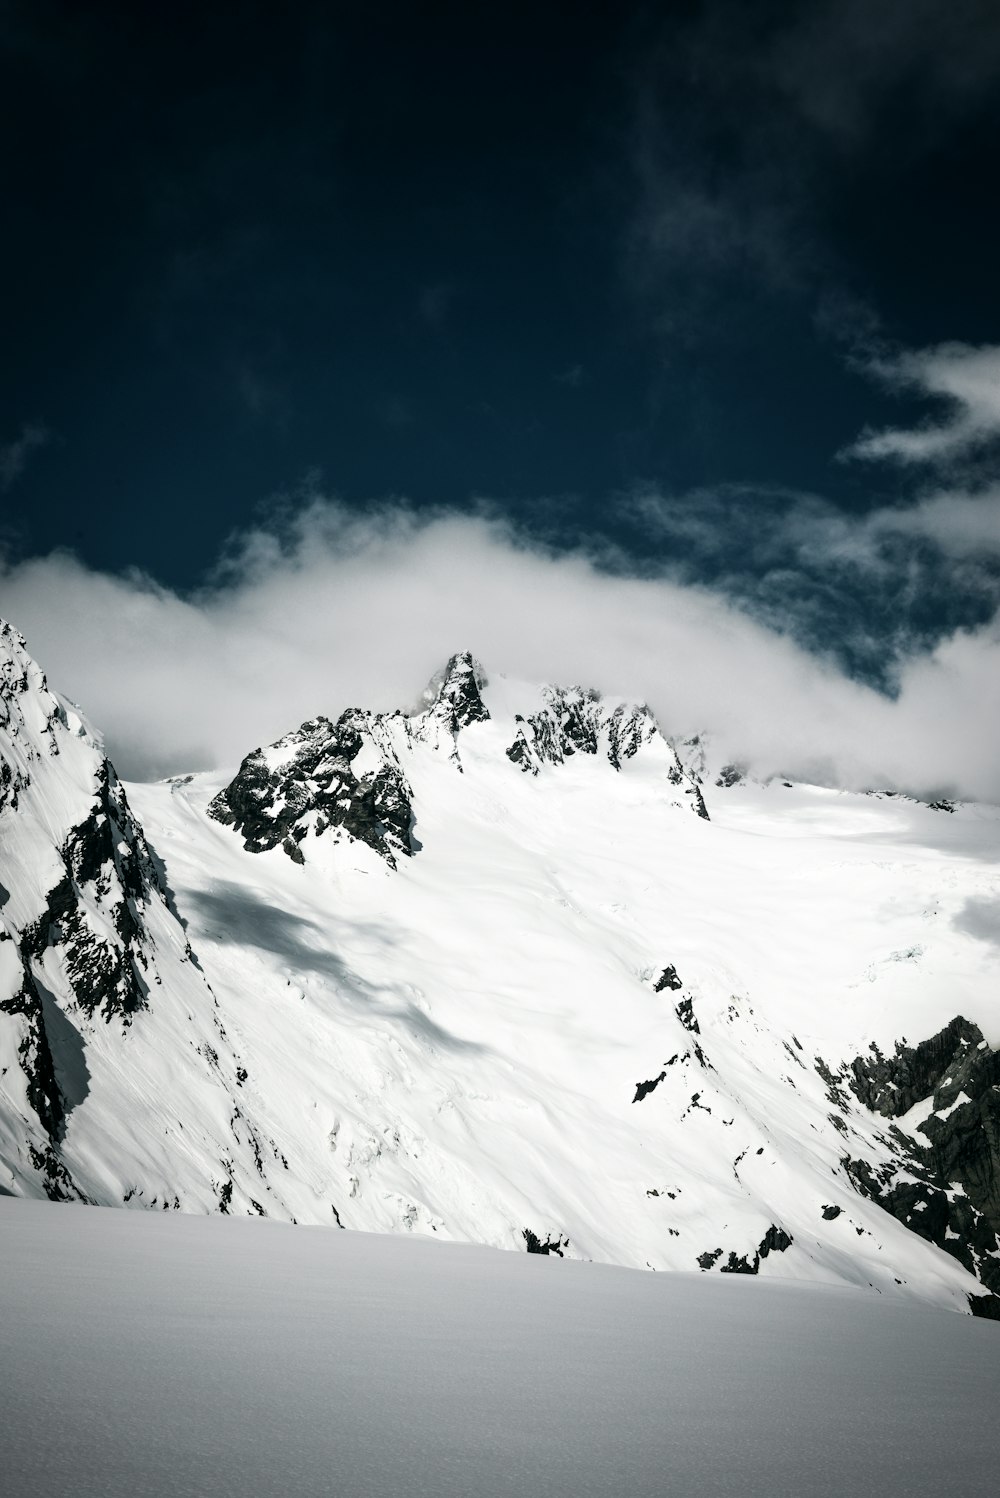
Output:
[[545, 255]]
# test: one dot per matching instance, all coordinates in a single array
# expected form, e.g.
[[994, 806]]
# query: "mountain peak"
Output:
[[454, 695]]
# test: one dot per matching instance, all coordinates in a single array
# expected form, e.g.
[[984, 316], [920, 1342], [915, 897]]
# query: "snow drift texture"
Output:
[[510, 968], [174, 1357]]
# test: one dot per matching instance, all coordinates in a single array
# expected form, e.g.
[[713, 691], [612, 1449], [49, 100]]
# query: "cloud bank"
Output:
[[331, 609]]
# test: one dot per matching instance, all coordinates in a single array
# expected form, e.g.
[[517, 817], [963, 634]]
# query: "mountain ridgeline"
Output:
[[514, 968], [348, 777]]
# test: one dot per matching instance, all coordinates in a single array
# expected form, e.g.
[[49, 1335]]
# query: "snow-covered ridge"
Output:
[[116, 1077], [348, 778], [475, 971]]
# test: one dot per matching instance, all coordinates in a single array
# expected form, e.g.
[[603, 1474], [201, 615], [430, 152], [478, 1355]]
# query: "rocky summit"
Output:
[[514, 967]]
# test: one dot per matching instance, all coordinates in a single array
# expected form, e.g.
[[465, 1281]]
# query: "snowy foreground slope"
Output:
[[509, 969], [173, 1357]]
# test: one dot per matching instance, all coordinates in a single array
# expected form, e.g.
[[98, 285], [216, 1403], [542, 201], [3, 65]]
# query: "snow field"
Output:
[[162, 1356]]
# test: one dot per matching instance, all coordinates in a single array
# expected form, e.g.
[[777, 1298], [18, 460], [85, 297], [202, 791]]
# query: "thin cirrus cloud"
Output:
[[748, 118], [965, 378]]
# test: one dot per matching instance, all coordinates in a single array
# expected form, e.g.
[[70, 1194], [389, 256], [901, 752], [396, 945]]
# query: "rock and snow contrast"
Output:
[[514, 969]]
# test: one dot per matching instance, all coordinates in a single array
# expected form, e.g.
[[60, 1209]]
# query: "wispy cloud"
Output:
[[868, 591], [965, 379], [839, 61], [747, 119], [960, 524], [573, 377], [15, 456]]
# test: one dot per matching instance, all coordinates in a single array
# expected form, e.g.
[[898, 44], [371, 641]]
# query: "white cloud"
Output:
[[960, 524], [965, 377], [345, 610]]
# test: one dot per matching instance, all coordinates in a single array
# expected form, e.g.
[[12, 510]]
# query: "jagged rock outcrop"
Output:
[[775, 1240], [453, 701], [576, 720], [348, 778], [82, 852], [340, 776], [535, 1245], [945, 1182], [101, 998]]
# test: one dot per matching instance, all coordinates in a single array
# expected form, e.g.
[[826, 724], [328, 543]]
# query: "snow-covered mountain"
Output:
[[118, 1081], [509, 968]]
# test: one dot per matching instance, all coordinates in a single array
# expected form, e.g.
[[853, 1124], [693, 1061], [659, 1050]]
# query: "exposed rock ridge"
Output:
[[454, 698], [344, 775], [946, 1189], [29, 713], [88, 937], [109, 877], [102, 871], [348, 777], [576, 720]]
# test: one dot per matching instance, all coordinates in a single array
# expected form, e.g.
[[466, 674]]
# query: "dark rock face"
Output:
[[643, 1089], [570, 723], [575, 720], [92, 926], [308, 781], [107, 858], [35, 1053], [678, 776], [729, 776], [948, 1189], [535, 1245], [890, 1085], [346, 777], [668, 979], [455, 695], [685, 1013], [453, 702], [56, 1179], [85, 934], [689, 770], [774, 1241]]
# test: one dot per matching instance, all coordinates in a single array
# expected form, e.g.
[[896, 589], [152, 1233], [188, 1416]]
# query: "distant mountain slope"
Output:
[[478, 972]]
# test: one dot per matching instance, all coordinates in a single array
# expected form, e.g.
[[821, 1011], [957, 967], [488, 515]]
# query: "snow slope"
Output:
[[117, 1079], [172, 1357], [507, 969]]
